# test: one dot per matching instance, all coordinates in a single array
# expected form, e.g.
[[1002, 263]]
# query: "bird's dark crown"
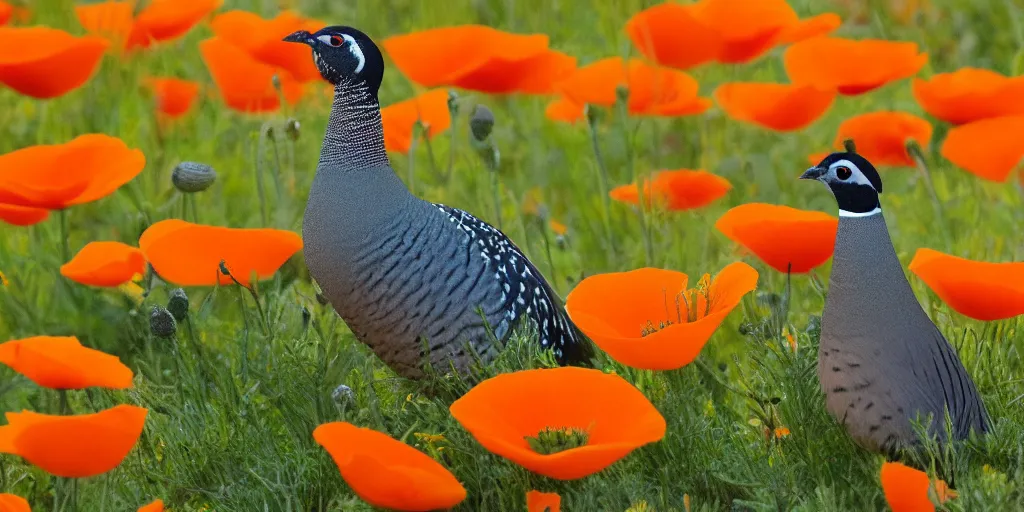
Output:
[[862, 163], [344, 55], [853, 181]]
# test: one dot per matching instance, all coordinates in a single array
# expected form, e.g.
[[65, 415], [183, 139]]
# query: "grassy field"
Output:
[[232, 406]]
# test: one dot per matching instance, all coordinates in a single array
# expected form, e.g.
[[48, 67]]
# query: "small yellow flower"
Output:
[[557, 227], [789, 338], [640, 506], [3, 280], [429, 438], [686, 502], [942, 492], [781, 432]]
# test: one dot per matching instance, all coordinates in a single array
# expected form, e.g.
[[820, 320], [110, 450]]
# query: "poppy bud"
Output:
[[453, 103], [342, 394], [849, 146], [291, 129], [178, 304], [161, 322], [481, 122], [622, 93], [193, 177], [593, 114]]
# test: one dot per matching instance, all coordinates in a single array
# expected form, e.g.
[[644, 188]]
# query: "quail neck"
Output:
[[852, 180]]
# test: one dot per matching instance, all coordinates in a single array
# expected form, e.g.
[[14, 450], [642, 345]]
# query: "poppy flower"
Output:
[[399, 119], [105, 264], [30, 56], [781, 236], [245, 83], [504, 411], [537, 501], [978, 289], [58, 176], [189, 254], [564, 110], [479, 58], [261, 38], [905, 488], [156, 506], [166, 20], [61, 362], [653, 91], [749, 29], [6, 12], [672, 35], [22, 215], [851, 67], [677, 190], [112, 19], [74, 446], [657, 323], [10, 502], [970, 94], [174, 96], [780, 107], [989, 148], [882, 137], [388, 473]]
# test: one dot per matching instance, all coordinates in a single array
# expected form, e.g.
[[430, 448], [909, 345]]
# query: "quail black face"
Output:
[[853, 181], [344, 55]]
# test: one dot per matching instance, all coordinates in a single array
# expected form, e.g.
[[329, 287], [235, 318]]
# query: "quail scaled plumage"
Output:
[[882, 362], [414, 281]]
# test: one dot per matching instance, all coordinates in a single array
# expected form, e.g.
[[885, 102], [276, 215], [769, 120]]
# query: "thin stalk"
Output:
[[922, 166], [63, 407], [602, 178], [412, 165], [260, 189], [496, 192], [547, 249], [452, 130], [642, 207], [430, 153], [65, 245]]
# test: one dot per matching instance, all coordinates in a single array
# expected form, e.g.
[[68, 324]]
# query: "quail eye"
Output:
[[336, 41], [843, 173]]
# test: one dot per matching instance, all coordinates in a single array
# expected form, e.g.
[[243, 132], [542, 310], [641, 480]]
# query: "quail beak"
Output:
[[814, 173], [301, 36]]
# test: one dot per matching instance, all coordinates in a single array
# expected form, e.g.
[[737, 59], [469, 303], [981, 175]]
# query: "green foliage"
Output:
[[235, 392]]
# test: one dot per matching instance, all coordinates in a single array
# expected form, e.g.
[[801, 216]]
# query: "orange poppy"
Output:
[[978, 289], [501, 412], [782, 236], [677, 190], [166, 20], [537, 501], [156, 506], [10, 502], [61, 362], [22, 215], [851, 67], [57, 176], [749, 29], [112, 19], [479, 58], [174, 96], [388, 473], [882, 137], [654, 91], [657, 324], [989, 148], [245, 83], [817, 157], [74, 446], [261, 39], [190, 254], [780, 107], [671, 35], [6, 12], [108, 264], [564, 110], [970, 94], [12, 13], [429, 108], [905, 488], [29, 56]]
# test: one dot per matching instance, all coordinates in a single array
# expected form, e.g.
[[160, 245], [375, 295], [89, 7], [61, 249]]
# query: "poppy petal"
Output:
[[981, 290], [537, 501], [246, 84], [671, 35], [782, 236], [677, 190], [12, 503], [905, 488], [387, 473], [882, 137], [652, 90], [502, 411], [166, 20], [820, 25], [156, 506], [778, 107], [399, 119], [989, 148], [190, 254], [747, 29], [112, 20], [74, 446], [849, 66], [174, 97], [22, 215], [970, 94], [564, 110], [63, 363], [262, 39], [29, 56], [108, 264]]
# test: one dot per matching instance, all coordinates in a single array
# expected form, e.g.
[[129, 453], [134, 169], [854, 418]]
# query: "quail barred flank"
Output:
[[881, 361], [415, 281]]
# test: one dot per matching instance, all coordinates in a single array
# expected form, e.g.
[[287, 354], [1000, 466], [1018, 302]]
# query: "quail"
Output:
[[415, 281], [882, 362]]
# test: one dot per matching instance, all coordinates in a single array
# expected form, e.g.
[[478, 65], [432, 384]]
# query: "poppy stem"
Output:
[[411, 181], [496, 191], [915, 152], [430, 153], [62, 400], [258, 161], [65, 245], [451, 149], [642, 206], [602, 176]]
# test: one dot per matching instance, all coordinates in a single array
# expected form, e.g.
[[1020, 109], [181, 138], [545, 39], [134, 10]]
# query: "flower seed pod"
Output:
[[161, 322], [178, 304], [481, 123], [453, 103], [291, 128], [193, 177], [342, 394]]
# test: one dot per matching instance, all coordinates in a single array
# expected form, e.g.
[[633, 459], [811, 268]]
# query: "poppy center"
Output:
[[690, 305], [553, 440]]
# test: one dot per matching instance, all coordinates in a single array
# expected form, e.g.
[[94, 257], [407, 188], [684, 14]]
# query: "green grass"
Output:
[[232, 408]]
